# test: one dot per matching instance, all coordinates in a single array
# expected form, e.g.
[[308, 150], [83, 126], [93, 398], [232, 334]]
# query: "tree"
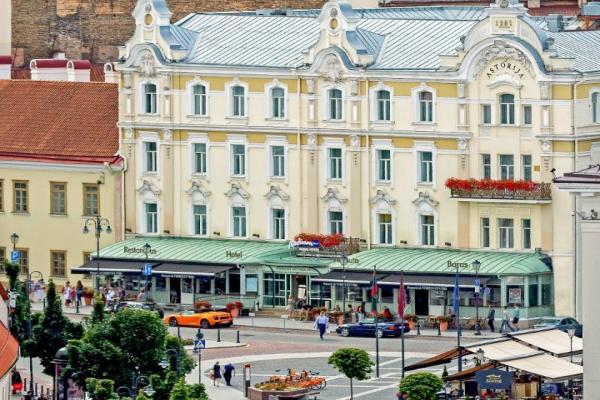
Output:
[[98, 309], [100, 389], [354, 363], [20, 317], [12, 271], [141, 395], [198, 392], [180, 391], [421, 386]]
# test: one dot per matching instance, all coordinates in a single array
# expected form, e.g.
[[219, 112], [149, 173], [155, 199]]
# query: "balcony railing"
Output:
[[499, 190]]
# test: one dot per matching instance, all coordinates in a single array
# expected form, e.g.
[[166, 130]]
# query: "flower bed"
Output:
[[265, 394], [489, 184], [498, 189], [324, 240]]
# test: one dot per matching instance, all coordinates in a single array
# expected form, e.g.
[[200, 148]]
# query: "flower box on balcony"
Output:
[[498, 189]]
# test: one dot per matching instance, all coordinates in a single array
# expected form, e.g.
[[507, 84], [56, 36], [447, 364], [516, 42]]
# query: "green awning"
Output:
[[287, 261], [424, 260], [214, 251]]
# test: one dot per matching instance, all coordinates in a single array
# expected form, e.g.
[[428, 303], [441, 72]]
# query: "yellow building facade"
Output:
[[262, 127]]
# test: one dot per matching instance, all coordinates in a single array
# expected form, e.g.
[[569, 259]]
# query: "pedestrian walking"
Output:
[[290, 306], [322, 323], [360, 311], [491, 317], [67, 293], [505, 321], [79, 289], [515, 317], [229, 369], [216, 374]]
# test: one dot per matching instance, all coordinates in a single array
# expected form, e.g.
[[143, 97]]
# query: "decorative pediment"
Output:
[[197, 188], [148, 187], [331, 69], [425, 200], [275, 191], [381, 195], [333, 194], [146, 65], [237, 190], [508, 60]]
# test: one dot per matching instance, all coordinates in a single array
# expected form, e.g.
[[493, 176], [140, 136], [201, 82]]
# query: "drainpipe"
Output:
[[368, 145], [299, 145]]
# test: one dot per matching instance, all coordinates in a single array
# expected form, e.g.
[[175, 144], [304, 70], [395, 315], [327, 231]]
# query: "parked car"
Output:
[[367, 328], [136, 305], [204, 319], [562, 323]]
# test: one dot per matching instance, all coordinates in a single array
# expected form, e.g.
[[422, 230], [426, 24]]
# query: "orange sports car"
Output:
[[204, 319]]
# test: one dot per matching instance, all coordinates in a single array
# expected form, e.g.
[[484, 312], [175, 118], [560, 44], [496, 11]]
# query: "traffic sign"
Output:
[[487, 290], [147, 270], [15, 256], [477, 282]]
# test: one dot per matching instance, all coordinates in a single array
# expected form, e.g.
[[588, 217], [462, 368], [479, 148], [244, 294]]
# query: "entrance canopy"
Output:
[[546, 366], [360, 278], [503, 349], [411, 281], [550, 340], [177, 270]]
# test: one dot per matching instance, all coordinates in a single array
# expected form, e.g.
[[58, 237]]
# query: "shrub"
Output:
[[421, 386]]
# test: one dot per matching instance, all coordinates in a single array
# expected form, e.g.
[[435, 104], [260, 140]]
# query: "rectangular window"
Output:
[[526, 165], [151, 210], [58, 261], [2, 258], [239, 159], [87, 256], [335, 163], [150, 156], [336, 222], [384, 165], [200, 220], [58, 198], [486, 113], [485, 232], [24, 261], [383, 105], [427, 230], [21, 196], [199, 99], [527, 114], [507, 109], [486, 166], [507, 167], [335, 104], [239, 221], [277, 161], [425, 166], [384, 222], [505, 233], [199, 158], [533, 293], [238, 101], [91, 199], [526, 223], [1, 194], [278, 102], [150, 98], [278, 221], [425, 106]]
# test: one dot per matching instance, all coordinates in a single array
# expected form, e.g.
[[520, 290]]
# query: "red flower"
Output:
[[489, 184]]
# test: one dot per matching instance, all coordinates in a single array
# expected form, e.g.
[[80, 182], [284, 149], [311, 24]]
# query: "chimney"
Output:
[[110, 75], [78, 70], [555, 22], [48, 69], [5, 67]]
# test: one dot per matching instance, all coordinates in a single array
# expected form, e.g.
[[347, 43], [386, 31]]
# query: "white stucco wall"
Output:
[[5, 27]]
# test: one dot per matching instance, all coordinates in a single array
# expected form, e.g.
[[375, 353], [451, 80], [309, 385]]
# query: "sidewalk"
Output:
[[221, 392]]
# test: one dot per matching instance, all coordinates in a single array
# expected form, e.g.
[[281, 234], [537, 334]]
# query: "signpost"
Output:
[[199, 344], [15, 256], [247, 377], [147, 269]]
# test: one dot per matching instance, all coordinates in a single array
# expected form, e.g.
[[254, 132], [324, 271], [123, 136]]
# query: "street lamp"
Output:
[[476, 266], [132, 391], [27, 290], [571, 333], [100, 224], [480, 356], [14, 238], [343, 260]]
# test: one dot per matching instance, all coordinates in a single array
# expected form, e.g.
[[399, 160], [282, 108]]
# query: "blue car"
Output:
[[367, 328], [562, 323]]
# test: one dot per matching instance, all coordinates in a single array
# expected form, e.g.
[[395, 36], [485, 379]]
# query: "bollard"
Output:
[[418, 329], [77, 306], [218, 334], [439, 330], [36, 389], [178, 332], [238, 337]]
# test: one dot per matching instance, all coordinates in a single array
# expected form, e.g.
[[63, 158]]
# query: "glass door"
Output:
[[276, 289]]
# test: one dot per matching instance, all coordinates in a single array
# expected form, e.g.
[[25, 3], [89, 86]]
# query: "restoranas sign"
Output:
[[138, 250]]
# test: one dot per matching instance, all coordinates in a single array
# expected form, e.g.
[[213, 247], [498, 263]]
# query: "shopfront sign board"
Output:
[[494, 379]]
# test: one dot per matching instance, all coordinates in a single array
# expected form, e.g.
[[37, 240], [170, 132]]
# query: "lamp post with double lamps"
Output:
[[571, 333], [135, 385], [476, 266], [100, 225], [147, 249]]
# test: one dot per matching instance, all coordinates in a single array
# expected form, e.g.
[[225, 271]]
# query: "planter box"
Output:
[[257, 394]]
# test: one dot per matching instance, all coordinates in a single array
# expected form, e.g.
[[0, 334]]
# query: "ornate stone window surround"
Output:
[[427, 146], [377, 145], [229, 93], [269, 143], [374, 112], [416, 104], [333, 143], [195, 138], [269, 96], [382, 203], [145, 137], [190, 97]]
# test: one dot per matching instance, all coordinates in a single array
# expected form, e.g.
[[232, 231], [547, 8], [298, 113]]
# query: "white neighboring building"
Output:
[[9, 348]]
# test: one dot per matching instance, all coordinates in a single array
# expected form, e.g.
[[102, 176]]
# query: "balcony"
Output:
[[502, 191]]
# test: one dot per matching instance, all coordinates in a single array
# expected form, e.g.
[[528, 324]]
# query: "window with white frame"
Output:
[[278, 223], [506, 233], [277, 102], [238, 101], [486, 166], [384, 165], [151, 211], [238, 216], [425, 166], [277, 161], [526, 167], [427, 228], [425, 106], [526, 223], [507, 109], [199, 99], [151, 160], [486, 114], [485, 232], [507, 166], [384, 105], [200, 219], [595, 103], [335, 104], [238, 159], [336, 222], [335, 163], [149, 98], [527, 114], [199, 158], [384, 227]]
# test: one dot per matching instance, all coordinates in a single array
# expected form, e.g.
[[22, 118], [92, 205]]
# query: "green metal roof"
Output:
[[423, 260], [217, 251], [293, 261]]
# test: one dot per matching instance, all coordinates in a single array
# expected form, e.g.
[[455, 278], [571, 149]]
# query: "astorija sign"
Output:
[[505, 66]]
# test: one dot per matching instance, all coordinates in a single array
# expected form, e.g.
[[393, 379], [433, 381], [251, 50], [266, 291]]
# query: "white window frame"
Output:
[[272, 223], [142, 97], [529, 230], [237, 140], [417, 105], [232, 220], [483, 165], [329, 164], [422, 146], [377, 146], [505, 231], [524, 114], [329, 230], [145, 220], [421, 227], [373, 93], [200, 139], [190, 90], [483, 105], [510, 168], [229, 93], [514, 110], [522, 159], [193, 220], [282, 168], [154, 159], [276, 141], [489, 231], [269, 96], [595, 94], [142, 139], [326, 109], [389, 226]]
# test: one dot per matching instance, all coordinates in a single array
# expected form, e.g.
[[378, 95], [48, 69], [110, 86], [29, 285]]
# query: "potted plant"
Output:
[[442, 320], [88, 295], [412, 320], [202, 306], [234, 308]]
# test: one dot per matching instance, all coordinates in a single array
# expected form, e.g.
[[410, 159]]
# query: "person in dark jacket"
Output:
[[491, 317], [229, 370], [216, 374]]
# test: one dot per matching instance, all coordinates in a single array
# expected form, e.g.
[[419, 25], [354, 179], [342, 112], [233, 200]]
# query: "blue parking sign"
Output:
[[15, 256], [147, 269]]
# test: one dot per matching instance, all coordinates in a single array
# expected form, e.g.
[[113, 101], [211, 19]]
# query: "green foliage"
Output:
[[141, 395], [163, 384], [187, 362], [180, 391], [198, 392], [354, 363], [421, 386], [98, 309], [20, 317], [100, 389], [12, 271]]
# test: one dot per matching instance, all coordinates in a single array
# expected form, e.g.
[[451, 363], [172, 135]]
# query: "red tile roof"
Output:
[[3, 292], [567, 11], [9, 351], [58, 121]]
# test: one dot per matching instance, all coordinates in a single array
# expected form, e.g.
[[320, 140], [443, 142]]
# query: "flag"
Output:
[[456, 296], [401, 298], [374, 295]]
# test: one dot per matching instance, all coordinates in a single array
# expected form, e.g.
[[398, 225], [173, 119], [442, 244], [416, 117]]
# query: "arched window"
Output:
[[277, 102], [335, 104], [238, 94], [383, 105], [425, 106], [149, 99], [507, 109], [199, 99], [595, 107]]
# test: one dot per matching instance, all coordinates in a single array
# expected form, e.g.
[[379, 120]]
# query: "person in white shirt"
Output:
[[321, 323]]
